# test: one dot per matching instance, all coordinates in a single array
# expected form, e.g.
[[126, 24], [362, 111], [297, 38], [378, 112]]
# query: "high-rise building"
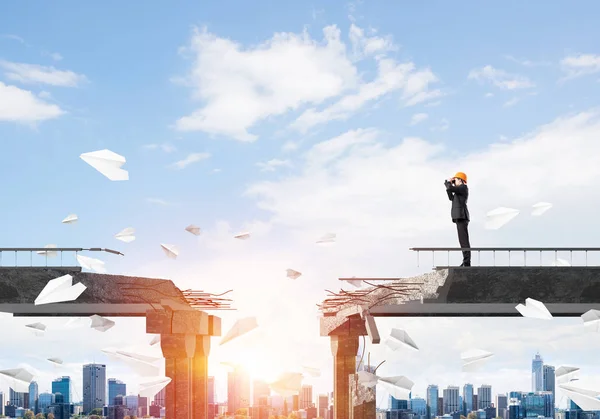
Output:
[[419, 406], [451, 404], [397, 404], [159, 398], [142, 406], [238, 390], [1, 402], [132, 402], [440, 411], [306, 398], [484, 396], [501, 404], [549, 381], [323, 405], [538, 404], [33, 396], [259, 389], [467, 399], [432, 401], [17, 399], [537, 378], [115, 388], [44, 401], [62, 385], [94, 387], [211, 398]]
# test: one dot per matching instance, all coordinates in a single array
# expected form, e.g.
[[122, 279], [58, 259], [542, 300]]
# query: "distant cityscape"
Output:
[[253, 399]]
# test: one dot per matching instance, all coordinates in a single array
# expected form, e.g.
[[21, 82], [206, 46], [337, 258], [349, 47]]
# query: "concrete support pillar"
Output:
[[363, 400], [344, 349], [185, 343]]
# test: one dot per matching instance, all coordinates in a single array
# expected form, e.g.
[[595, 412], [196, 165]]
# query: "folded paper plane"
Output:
[[170, 250], [400, 339], [70, 219], [126, 235], [55, 361], [534, 309], [93, 264], [287, 384], [474, 359], [565, 374], [37, 328], [354, 282], [399, 387], [155, 340], [499, 217], [48, 253], [142, 368], [100, 323], [327, 239], [367, 379], [60, 289], [591, 320], [293, 274], [241, 327], [139, 357], [195, 230], [18, 379], [540, 208], [149, 389], [108, 163], [313, 372], [586, 399], [242, 236]]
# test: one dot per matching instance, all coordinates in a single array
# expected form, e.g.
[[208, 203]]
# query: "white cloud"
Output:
[[33, 73], [418, 118], [290, 146], [19, 105], [489, 94], [364, 46], [242, 86], [580, 65], [14, 38], [54, 55], [511, 102], [500, 78], [190, 159], [166, 147], [159, 201], [273, 164], [442, 126]]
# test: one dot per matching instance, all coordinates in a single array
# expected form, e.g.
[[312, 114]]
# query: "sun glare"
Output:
[[258, 364]]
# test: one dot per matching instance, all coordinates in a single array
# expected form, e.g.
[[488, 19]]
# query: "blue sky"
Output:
[[498, 74]]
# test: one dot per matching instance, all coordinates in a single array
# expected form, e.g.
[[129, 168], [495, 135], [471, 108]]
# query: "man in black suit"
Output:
[[458, 193]]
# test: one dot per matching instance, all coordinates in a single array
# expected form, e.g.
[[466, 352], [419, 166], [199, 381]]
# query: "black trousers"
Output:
[[462, 226]]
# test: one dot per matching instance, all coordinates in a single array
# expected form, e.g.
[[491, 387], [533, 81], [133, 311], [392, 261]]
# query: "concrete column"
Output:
[[178, 349], [363, 401], [200, 377], [344, 349]]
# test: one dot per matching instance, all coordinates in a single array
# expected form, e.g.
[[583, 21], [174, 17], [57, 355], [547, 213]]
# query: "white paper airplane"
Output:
[[100, 323], [293, 274], [367, 379], [126, 235], [400, 339], [37, 328], [565, 374], [170, 250], [18, 379], [287, 384], [139, 357], [242, 236], [55, 361], [141, 368], [241, 327], [540, 208], [591, 320], [70, 219], [499, 217], [48, 253], [60, 289], [586, 399], [313, 372], [107, 163], [474, 359], [354, 282], [560, 262], [534, 309], [399, 387], [155, 340], [95, 265], [149, 389], [328, 238], [195, 230]]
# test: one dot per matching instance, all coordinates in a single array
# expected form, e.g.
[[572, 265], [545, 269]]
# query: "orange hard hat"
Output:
[[462, 176]]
